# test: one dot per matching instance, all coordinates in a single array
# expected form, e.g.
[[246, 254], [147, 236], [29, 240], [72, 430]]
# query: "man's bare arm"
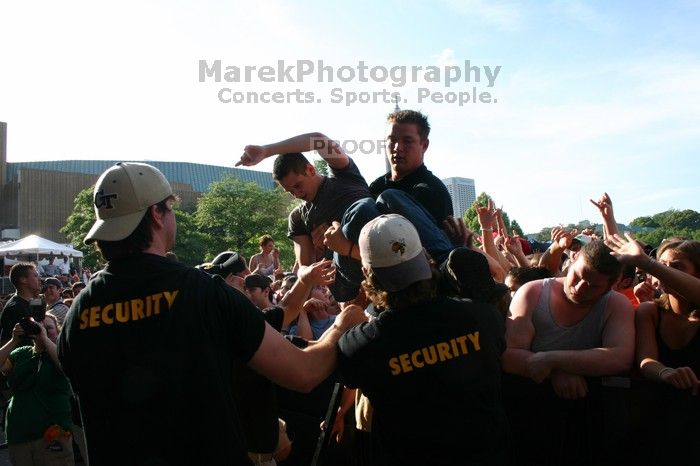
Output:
[[326, 148]]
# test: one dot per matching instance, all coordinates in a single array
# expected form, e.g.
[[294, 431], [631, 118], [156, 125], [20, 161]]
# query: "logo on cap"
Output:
[[104, 200], [399, 246]]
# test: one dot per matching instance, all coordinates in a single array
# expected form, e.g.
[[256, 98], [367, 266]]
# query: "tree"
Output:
[[642, 222], [515, 227], [321, 167], [189, 245], [471, 219], [79, 223], [235, 214]]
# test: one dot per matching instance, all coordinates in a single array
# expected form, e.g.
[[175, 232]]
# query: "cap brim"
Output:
[[114, 229], [400, 276]]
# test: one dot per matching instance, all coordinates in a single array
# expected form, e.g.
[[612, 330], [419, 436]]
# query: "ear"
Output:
[[156, 215], [425, 143], [310, 170]]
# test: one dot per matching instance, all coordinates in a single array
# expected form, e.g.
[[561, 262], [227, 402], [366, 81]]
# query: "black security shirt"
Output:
[[432, 373], [148, 347]]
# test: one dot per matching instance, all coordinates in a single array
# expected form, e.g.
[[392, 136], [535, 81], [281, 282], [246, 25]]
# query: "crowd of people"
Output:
[[451, 347]]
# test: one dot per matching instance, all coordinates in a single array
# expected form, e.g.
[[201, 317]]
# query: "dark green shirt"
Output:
[[41, 396]]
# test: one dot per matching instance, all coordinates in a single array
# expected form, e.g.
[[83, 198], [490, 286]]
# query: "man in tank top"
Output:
[[568, 328]]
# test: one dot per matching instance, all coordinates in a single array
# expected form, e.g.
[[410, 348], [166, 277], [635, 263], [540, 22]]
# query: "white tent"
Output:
[[36, 246]]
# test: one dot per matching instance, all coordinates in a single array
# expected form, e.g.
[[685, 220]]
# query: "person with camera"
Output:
[[25, 278], [39, 420]]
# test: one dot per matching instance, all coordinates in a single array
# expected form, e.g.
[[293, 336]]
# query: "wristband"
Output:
[[487, 229]]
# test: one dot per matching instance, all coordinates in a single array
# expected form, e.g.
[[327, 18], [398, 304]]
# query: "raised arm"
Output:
[[551, 258], [629, 251], [605, 207], [487, 216], [318, 273], [326, 148]]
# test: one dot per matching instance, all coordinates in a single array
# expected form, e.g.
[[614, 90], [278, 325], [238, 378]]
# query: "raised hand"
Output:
[[627, 251], [486, 214], [645, 291], [252, 155], [318, 273], [513, 245], [605, 206]]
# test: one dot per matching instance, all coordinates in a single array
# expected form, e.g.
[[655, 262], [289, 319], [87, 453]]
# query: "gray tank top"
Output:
[[550, 336]]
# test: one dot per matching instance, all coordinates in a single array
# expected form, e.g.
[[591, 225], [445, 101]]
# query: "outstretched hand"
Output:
[[318, 273], [252, 155], [627, 251]]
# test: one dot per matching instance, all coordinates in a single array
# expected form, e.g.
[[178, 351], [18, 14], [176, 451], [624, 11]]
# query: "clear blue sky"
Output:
[[591, 96]]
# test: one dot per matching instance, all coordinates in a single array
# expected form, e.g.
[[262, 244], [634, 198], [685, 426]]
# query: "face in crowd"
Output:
[[405, 148]]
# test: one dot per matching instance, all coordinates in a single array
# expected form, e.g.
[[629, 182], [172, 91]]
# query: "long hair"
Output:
[[417, 293], [690, 250]]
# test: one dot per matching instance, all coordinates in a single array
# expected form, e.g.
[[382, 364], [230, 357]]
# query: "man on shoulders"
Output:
[[407, 140], [568, 328]]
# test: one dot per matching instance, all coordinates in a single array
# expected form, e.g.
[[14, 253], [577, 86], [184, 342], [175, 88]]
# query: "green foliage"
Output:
[[678, 219], [190, 243], [642, 222], [515, 227], [321, 167], [235, 214], [79, 223]]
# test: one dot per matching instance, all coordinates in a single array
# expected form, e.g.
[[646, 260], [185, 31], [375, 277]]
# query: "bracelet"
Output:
[[664, 370], [352, 245], [487, 229]]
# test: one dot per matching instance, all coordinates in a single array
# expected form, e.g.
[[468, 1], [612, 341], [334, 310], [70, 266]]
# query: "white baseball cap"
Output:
[[391, 247], [122, 196]]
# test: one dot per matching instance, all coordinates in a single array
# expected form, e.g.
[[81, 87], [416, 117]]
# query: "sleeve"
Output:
[[275, 317], [242, 323], [349, 172], [8, 319], [296, 225], [350, 365]]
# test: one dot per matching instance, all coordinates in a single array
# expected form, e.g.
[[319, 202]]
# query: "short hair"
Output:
[[412, 116], [20, 270], [597, 256], [264, 239], [139, 239], [419, 292], [286, 163], [522, 275]]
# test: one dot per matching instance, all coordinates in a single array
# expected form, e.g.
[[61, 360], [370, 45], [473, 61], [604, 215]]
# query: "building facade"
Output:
[[37, 197], [462, 192]]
